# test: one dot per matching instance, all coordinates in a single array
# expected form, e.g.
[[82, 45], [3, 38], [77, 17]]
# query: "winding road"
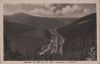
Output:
[[56, 43]]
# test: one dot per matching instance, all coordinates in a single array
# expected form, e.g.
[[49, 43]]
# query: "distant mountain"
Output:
[[79, 36], [39, 22], [31, 34]]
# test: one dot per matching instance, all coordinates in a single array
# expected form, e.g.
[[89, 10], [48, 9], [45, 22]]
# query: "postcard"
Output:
[[50, 32]]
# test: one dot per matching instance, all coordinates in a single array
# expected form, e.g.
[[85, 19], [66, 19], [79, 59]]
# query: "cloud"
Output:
[[41, 11], [86, 11], [67, 9], [75, 9], [52, 10]]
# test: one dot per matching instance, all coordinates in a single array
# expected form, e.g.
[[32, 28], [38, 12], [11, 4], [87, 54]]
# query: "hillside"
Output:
[[79, 36], [39, 22], [11, 27], [31, 34]]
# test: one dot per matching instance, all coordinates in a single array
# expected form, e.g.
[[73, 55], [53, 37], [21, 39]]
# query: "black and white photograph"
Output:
[[50, 32]]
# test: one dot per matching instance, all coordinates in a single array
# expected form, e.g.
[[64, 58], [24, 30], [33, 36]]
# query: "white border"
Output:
[[48, 1]]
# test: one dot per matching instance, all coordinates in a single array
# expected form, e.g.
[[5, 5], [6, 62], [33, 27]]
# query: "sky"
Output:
[[51, 10]]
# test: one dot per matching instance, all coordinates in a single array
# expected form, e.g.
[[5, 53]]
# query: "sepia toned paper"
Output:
[[49, 32]]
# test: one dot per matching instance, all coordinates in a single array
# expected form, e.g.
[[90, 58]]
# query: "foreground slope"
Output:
[[79, 36]]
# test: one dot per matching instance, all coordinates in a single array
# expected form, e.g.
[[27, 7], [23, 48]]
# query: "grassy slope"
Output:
[[12, 27], [39, 22], [79, 36], [24, 33], [28, 43]]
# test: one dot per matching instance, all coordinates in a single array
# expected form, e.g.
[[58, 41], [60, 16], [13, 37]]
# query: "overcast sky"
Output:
[[51, 10]]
